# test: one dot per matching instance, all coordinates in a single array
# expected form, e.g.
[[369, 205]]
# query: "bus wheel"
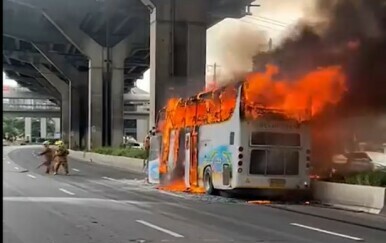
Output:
[[209, 189]]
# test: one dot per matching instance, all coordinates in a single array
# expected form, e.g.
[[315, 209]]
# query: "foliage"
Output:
[[125, 152], [377, 178], [370, 178], [13, 127]]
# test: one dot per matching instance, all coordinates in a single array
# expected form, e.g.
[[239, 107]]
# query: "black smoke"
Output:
[[352, 34]]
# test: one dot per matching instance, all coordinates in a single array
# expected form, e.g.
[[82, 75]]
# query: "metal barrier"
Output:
[[30, 107]]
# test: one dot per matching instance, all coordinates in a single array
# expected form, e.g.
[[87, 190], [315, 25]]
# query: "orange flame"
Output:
[[314, 91], [261, 91]]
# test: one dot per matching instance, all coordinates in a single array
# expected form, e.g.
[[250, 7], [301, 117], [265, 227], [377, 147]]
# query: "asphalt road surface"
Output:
[[101, 204]]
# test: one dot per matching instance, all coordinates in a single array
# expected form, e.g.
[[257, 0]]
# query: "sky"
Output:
[[271, 20]]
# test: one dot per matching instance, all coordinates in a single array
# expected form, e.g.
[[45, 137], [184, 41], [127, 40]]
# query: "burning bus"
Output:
[[231, 138]]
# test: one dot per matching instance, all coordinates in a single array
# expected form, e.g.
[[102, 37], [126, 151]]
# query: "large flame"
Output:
[[311, 92], [260, 92]]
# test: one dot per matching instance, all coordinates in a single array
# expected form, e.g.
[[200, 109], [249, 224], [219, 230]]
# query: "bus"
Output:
[[216, 141]]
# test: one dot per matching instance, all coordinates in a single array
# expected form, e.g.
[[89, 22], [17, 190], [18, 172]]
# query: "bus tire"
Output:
[[208, 184]]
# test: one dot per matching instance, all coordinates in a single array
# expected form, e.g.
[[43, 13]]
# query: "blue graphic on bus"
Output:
[[153, 171], [217, 157]]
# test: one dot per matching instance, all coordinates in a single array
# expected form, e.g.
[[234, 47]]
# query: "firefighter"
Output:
[[48, 156], [61, 157], [146, 145]]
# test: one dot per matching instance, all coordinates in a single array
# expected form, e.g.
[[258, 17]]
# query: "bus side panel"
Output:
[[218, 144], [216, 150]]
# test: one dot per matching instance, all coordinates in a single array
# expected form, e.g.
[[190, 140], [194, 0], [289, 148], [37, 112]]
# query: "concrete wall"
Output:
[[354, 197], [125, 163]]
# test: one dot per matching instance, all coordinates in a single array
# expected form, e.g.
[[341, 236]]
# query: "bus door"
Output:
[[194, 157], [187, 159]]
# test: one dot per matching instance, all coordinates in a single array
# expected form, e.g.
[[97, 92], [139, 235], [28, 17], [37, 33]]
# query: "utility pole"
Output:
[[214, 66]]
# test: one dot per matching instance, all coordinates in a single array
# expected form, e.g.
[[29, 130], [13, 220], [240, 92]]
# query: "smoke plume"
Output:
[[236, 49], [348, 33], [352, 35]]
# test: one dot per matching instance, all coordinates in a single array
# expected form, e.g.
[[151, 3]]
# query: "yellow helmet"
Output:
[[59, 143]]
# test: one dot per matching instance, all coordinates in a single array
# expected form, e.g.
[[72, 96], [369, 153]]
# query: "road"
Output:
[[102, 204]]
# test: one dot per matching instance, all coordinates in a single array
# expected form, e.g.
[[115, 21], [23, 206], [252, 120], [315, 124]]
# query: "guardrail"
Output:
[[30, 107]]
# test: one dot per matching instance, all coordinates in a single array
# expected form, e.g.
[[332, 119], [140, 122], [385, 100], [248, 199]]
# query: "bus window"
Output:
[[292, 163], [278, 139], [275, 162], [258, 162]]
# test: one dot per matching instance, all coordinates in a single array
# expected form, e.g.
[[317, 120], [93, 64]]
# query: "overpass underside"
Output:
[[86, 54]]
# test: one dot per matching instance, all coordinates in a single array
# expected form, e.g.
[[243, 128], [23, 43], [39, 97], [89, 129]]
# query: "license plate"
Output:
[[277, 183]]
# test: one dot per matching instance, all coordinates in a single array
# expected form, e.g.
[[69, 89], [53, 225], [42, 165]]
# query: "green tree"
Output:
[[13, 126]]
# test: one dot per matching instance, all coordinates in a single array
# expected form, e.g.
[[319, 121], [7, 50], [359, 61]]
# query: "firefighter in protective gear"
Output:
[[61, 157], [48, 154]]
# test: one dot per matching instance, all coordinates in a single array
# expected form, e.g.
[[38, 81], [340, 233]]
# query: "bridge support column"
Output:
[[95, 101], [57, 124], [142, 129], [105, 80], [177, 50], [27, 128], [43, 127], [119, 53], [63, 89], [77, 81], [74, 117], [106, 92]]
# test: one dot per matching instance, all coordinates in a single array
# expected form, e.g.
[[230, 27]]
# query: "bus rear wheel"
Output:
[[208, 184]]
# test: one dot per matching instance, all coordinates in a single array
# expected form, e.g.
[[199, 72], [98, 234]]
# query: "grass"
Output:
[[125, 152]]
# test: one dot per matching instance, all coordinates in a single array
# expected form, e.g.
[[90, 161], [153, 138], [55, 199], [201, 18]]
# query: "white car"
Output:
[[356, 162]]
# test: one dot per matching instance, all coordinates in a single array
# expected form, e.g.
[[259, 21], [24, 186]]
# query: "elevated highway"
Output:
[[88, 53]]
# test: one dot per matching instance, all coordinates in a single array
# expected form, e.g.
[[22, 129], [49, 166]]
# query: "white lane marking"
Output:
[[160, 229], [76, 170], [29, 175], [65, 191], [327, 232], [16, 168], [108, 178]]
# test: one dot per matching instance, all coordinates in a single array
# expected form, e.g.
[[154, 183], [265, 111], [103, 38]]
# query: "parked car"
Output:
[[357, 162]]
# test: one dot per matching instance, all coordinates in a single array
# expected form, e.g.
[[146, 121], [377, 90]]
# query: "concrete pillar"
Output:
[[63, 89], [57, 124], [95, 101], [142, 129], [177, 50], [119, 53], [65, 120], [43, 127], [74, 119], [105, 118], [27, 128]]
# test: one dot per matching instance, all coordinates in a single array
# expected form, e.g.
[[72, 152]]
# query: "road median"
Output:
[[369, 199], [120, 162]]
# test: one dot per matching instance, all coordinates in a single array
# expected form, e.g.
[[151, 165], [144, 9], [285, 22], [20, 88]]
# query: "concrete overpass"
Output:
[[87, 53]]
